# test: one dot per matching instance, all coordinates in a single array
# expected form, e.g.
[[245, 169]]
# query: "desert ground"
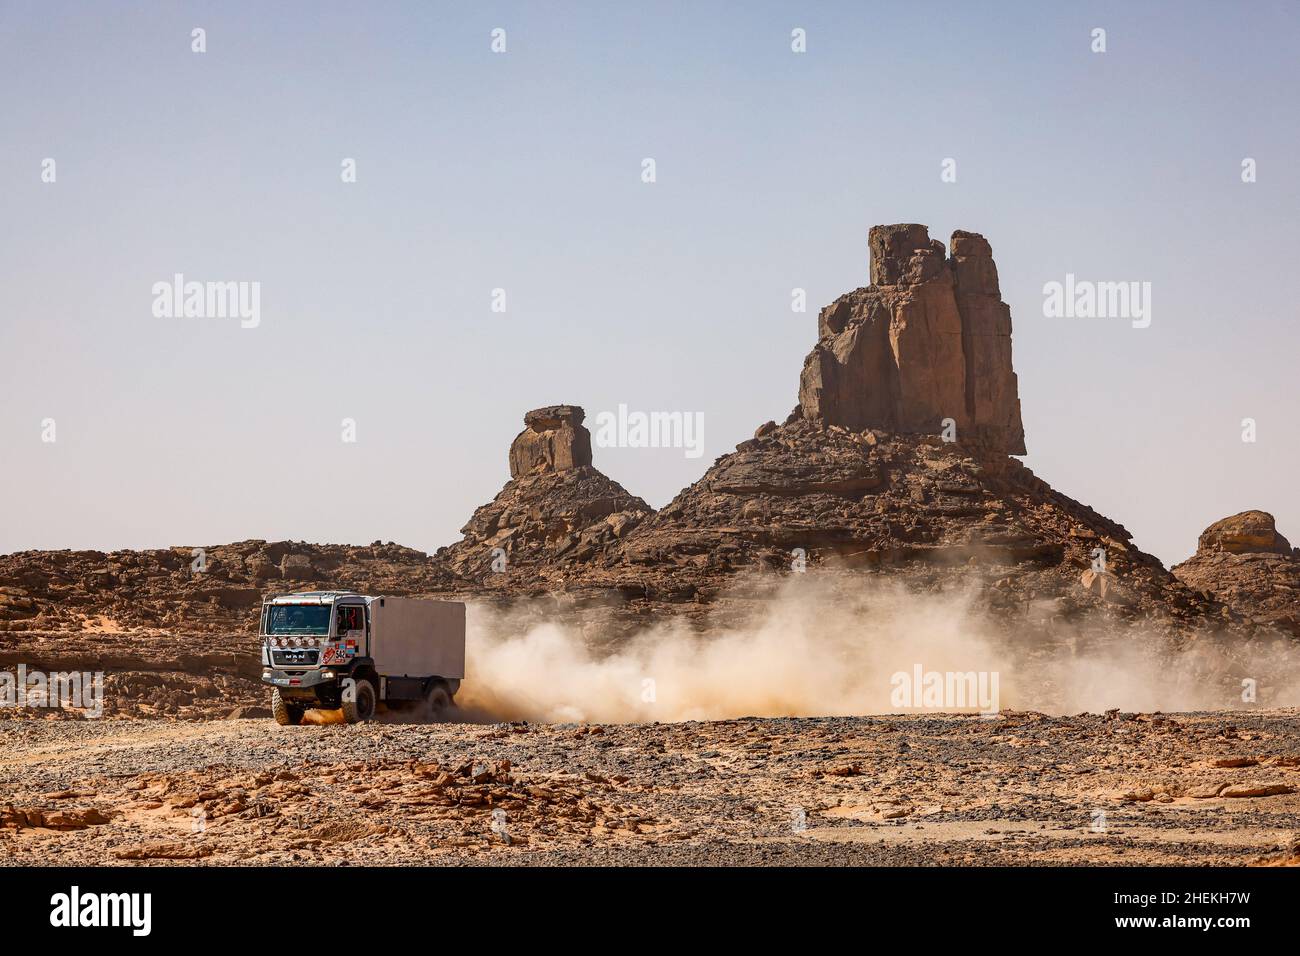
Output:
[[1214, 789]]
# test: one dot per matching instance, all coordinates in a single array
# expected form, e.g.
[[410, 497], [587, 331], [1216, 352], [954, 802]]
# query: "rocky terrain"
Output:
[[1246, 564], [209, 588], [1115, 788], [921, 510]]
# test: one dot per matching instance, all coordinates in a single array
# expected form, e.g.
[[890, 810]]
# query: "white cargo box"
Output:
[[410, 637]]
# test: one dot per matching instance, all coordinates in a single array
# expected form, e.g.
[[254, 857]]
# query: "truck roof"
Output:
[[328, 597], [309, 597]]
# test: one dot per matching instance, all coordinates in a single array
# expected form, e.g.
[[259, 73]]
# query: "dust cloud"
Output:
[[821, 649]]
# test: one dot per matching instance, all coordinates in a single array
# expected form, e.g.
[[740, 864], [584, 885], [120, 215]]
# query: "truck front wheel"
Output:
[[286, 713], [360, 704]]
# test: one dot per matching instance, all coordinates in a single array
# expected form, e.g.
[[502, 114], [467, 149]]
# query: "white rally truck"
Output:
[[340, 650]]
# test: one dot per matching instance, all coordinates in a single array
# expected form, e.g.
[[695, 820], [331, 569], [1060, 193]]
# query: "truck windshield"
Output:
[[298, 619]]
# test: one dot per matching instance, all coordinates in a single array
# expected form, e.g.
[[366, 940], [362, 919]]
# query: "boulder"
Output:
[[260, 569], [1104, 585], [297, 567], [1249, 531]]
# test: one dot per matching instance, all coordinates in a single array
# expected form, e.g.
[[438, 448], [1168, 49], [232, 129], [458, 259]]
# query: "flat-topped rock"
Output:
[[553, 439]]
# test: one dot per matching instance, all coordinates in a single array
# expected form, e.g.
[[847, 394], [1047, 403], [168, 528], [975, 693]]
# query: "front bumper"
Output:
[[297, 679]]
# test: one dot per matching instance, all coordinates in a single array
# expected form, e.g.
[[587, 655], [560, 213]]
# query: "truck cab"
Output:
[[340, 650]]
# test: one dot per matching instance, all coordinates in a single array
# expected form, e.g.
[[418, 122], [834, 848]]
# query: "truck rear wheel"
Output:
[[438, 703], [286, 713], [361, 707]]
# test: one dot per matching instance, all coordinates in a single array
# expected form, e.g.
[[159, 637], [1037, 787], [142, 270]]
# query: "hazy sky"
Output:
[[522, 171]]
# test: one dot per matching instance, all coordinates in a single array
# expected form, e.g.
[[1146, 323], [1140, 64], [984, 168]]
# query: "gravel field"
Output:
[[1203, 789]]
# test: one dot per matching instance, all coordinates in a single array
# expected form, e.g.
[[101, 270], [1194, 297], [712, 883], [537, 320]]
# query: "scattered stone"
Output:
[[1234, 762], [1255, 789], [164, 850], [249, 712], [1141, 795], [1103, 585]]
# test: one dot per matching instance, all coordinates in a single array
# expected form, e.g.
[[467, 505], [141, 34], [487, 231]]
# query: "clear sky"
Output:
[[522, 171]]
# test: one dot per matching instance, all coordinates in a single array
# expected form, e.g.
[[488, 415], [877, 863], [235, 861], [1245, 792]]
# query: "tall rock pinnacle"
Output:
[[928, 340]]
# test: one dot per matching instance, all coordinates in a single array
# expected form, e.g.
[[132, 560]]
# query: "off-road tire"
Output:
[[362, 705], [438, 703], [286, 714]]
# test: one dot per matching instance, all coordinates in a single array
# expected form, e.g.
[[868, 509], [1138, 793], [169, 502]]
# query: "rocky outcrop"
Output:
[[215, 588], [556, 513], [553, 439], [810, 496], [1245, 563], [928, 343]]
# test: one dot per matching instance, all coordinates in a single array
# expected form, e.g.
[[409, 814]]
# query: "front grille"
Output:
[[295, 657]]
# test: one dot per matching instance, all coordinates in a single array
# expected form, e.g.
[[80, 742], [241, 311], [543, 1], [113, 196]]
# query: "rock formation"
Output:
[[927, 343], [861, 479], [925, 511], [1244, 562], [556, 512], [553, 439]]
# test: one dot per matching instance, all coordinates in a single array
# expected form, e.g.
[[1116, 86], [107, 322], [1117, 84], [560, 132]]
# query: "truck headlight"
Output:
[[327, 674], [266, 675]]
